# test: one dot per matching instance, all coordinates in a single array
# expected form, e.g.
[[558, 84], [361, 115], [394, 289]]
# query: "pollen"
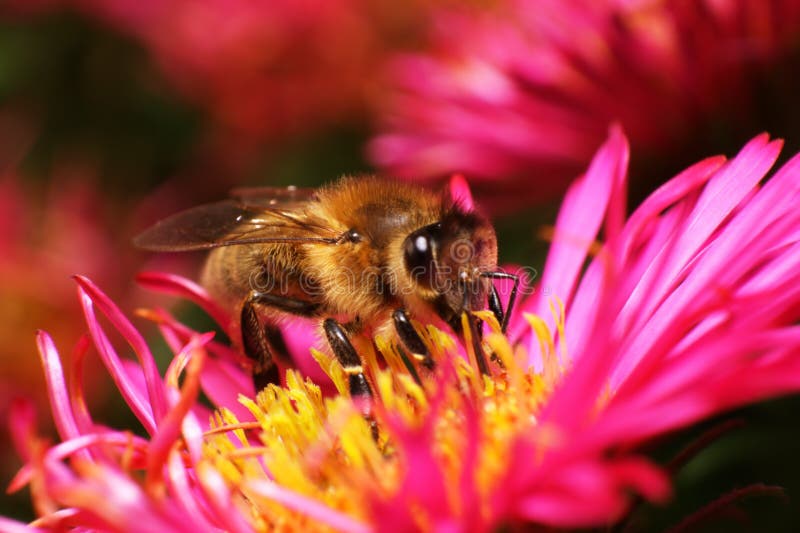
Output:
[[326, 450]]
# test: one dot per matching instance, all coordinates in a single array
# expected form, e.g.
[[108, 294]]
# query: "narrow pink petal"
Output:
[[649, 216], [122, 324], [180, 286], [219, 498], [8, 525], [222, 379], [724, 192], [22, 426], [115, 499], [300, 336], [223, 383], [165, 320], [65, 519], [187, 495], [642, 477], [135, 401], [460, 193], [713, 270], [578, 223], [124, 441], [667, 195], [83, 418], [468, 486], [56, 387], [307, 506], [192, 431], [170, 428]]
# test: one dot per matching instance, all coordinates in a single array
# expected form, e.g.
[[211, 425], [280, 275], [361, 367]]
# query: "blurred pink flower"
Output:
[[46, 236], [688, 308], [265, 69], [519, 95]]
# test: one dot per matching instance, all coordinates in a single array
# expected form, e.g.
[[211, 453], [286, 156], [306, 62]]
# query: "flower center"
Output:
[[444, 426]]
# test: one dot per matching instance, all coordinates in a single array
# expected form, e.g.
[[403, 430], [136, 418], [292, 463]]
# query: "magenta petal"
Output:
[[579, 220], [81, 412], [729, 186], [300, 336], [460, 193], [219, 499], [22, 425], [8, 525], [59, 397], [307, 506], [139, 406], [186, 494], [122, 324], [170, 428], [180, 286], [223, 383]]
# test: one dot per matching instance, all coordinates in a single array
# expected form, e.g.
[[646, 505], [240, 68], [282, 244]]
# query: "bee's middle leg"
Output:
[[348, 357], [346, 354]]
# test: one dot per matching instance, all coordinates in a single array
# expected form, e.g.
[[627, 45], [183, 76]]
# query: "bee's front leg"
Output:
[[411, 339], [495, 305]]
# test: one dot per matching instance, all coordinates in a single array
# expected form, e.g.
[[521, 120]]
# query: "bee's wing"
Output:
[[272, 197], [233, 222]]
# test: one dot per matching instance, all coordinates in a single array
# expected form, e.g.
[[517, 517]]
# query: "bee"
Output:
[[363, 256]]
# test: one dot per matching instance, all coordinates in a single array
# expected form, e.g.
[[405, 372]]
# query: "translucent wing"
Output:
[[285, 197], [263, 215]]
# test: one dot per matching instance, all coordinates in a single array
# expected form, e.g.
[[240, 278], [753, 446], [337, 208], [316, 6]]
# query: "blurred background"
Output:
[[115, 113]]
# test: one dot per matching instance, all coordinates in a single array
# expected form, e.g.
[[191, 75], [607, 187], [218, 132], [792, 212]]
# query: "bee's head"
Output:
[[447, 258]]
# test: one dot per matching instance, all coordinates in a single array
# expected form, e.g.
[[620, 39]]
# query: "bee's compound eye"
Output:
[[418, 252], [353, 236]]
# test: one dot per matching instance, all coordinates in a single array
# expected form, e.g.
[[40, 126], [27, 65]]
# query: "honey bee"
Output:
[[362, 255]]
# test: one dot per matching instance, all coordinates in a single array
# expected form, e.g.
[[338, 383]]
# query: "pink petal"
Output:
[[180, 286], [300, 336], [219, 498], [578, 223], [724, 192], [306, 506], [83, 418], [8, 525], [223, 383], [57, 389], [127, 388], [187, 495], [170, 428], [459, 192], [117, 318]]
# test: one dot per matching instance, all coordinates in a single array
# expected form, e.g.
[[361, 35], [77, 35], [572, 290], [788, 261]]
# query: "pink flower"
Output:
[[522, 93], [688, 307], [46, 236], [264, 69]]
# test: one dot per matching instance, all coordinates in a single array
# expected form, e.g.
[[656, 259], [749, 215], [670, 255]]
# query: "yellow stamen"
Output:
[[324, 448]]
